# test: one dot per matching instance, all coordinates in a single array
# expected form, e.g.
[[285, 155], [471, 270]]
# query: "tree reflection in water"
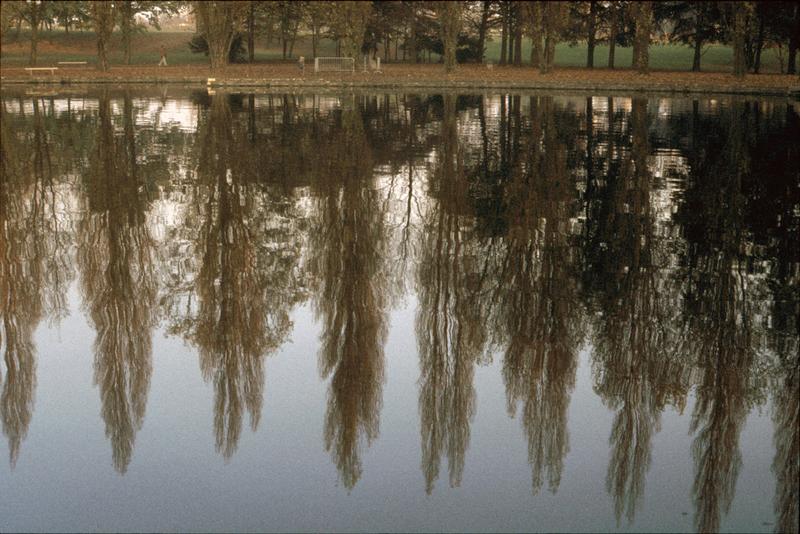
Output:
[[451, 319], [636, 373], [539, 317], [34, 266], [244, 283], [678, 280], [348, 275], [115, 258]]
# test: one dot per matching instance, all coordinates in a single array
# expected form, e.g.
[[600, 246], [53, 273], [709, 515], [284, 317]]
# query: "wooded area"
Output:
[[456, 32]]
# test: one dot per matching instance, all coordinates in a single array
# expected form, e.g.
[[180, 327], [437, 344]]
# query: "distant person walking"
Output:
[[163, 62]]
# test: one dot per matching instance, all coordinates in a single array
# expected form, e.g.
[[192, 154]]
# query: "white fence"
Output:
[[334, 64]]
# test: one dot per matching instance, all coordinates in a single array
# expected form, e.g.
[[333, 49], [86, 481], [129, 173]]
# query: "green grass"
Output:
[[80, 46], [667, 57]]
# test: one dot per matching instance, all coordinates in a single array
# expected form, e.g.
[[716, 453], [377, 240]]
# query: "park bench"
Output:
[[72, 63], [32, 69]]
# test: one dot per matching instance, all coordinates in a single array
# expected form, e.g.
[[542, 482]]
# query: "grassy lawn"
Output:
[[668, 57], [80, 46]]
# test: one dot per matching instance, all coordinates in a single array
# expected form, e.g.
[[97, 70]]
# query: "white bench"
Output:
[[32, 69], [69, 63]]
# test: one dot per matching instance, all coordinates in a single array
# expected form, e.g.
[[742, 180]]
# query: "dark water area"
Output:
[[398, 312]]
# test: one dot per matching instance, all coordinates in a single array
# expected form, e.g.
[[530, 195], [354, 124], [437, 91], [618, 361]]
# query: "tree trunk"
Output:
[[759, 42], [517, 34], [314, 37], [504, 33], [292, 39], [218, 56], [739, 30], [592, 32], [251, 33], [450, 23], [411, 45], [698, 48], [535, 14], [216, 20], [34, 32], [283, 40], [643, 17], [126, 18], [549, 53], [536, 52], [103, 19], [791, 67], [482, 31], [612, 40], [511, 31]]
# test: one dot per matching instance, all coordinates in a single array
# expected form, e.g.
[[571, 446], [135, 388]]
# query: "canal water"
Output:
[[424, 312]]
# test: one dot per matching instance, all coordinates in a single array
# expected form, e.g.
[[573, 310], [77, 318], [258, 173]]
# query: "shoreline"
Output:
[[415, 77]]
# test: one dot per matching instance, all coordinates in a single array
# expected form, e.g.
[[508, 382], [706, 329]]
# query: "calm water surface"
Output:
[[402, 312]]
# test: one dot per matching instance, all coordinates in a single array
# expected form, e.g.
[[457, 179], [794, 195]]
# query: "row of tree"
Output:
[[456, 31]]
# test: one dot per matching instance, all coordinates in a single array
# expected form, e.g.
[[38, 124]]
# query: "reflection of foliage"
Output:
[[244, 284], [450, 322], [119, 287], [721, 321], [786, 464], [689, 281], [634, 375], [539, 317], [348, 251], [34, 269]]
